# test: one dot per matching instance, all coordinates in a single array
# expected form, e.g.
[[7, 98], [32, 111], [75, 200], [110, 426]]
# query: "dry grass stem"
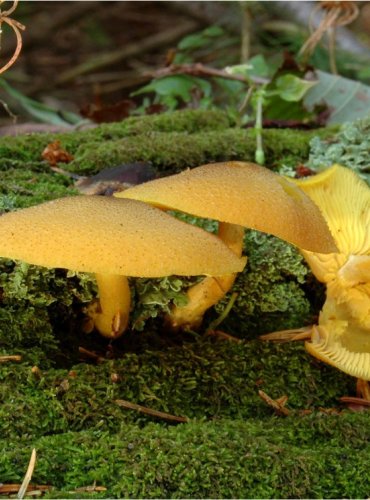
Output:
[[27, 478], [288, 335], [17, 28], [335, 14], [150, 411]]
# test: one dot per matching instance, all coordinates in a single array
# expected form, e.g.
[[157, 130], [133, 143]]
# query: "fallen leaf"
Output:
[[53, 154]]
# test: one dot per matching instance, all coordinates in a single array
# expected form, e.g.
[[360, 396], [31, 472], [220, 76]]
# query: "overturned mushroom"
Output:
[[342, 336], [112, 238], [238, 195]]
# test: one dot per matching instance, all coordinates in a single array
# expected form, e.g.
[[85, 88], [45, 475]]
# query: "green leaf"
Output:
[[260, 67], [347, 99], [291, 88], [40, 111], [199, 40], [171, 88], [257, 66]]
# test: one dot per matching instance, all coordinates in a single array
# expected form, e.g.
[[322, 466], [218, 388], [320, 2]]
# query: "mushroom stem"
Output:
[[111, 313], [211, 289]]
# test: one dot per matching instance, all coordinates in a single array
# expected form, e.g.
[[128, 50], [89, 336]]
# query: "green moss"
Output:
[[176, 151], [316, 456], [199, 379], [170, 141], [26, 150], [36, 303], [20, 188]]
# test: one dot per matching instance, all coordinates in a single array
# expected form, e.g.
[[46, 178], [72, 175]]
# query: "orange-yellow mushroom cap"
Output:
[[244, 194], [112, 236]]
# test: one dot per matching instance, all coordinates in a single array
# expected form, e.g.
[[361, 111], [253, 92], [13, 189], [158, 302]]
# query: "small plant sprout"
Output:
[[113, 239], [342, 336], [238, 195]]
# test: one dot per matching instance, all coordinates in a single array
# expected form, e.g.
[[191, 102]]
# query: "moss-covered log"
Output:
[[171, 141], [233, 445]]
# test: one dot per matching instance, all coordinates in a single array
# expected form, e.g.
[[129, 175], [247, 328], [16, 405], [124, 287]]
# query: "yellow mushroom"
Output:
[[342, 336], [238, 195], [114, 239]]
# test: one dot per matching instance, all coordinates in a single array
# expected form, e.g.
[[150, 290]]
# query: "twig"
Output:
[[277, 404], [108, 58], [223, 335], [28, 476], [150, 411], [90, 489], [16, 26], [199, 69], [15, 357], [354, 400], [91, 355], [9, 111], [8, 489]]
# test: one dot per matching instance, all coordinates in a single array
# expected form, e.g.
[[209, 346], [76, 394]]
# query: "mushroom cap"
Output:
[[344, 200], [107, 235], [245, 194]]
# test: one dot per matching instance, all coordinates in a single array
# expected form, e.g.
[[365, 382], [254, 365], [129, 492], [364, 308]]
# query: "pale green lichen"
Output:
[[271, 290], [154, 297], [350, 147]]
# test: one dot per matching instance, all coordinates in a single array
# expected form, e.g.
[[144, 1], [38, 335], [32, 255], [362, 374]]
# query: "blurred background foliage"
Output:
[[105, 61]]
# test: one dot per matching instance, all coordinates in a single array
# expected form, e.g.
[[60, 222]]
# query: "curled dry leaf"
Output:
[[54, 153]]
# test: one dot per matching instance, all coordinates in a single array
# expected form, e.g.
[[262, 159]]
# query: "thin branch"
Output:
[[10, 488], [354, 400], [150, 411], [199, 69], [91, 355]]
